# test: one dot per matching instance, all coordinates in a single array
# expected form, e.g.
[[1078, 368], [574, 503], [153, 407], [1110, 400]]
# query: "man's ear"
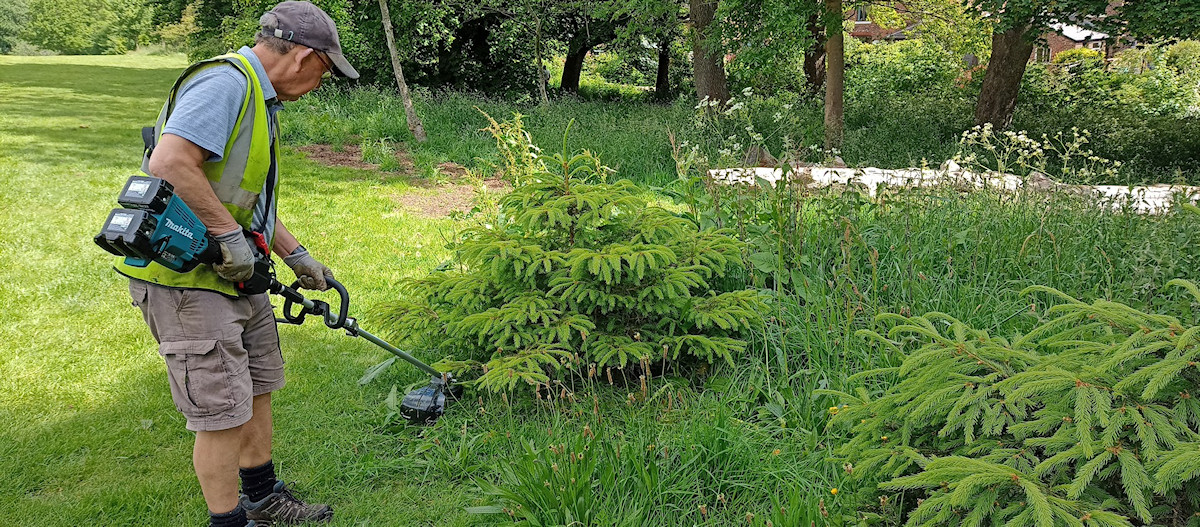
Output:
[[301, 52]]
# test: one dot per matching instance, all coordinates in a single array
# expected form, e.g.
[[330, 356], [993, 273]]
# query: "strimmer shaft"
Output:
[[338, 320], [353, 329]]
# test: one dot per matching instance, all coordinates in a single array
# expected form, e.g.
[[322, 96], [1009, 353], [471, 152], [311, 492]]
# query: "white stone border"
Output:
[[1144, 199]]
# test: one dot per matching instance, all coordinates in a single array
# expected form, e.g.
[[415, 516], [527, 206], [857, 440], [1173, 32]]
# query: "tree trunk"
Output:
[[410, 113], [1002, 81], [835, 78], [572, 69], [814, 57], [708, 64], [662, 82], [592, 33], [541, 66]]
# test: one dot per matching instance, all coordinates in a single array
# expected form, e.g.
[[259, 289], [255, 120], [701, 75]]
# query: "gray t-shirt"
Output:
[[207, 107], [206, 110]]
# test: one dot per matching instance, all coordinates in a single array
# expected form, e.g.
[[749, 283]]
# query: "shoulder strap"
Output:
[[151, 134], [231, 58]]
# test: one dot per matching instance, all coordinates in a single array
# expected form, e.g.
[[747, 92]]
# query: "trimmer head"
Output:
[[426, 404]]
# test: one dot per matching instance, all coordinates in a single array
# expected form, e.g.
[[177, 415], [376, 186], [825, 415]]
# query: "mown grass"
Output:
[[88, 433]]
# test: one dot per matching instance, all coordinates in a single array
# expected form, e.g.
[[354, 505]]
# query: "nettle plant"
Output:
[[1089, 419], [572, 271]]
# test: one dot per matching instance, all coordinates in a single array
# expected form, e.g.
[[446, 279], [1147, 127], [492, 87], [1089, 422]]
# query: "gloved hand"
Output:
[[237, 257], [309, 271]]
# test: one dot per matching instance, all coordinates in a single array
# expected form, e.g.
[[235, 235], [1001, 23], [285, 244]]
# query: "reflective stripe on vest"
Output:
[[237, 179]]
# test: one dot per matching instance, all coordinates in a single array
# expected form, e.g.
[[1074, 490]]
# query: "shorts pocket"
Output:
[[199, 379], [137, 292]]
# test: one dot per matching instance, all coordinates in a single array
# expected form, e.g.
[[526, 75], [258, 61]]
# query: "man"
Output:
[[215, 142]]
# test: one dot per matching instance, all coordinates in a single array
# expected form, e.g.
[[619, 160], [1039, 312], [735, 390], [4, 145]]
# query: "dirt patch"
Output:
[[428, 198], [454, 171], [350, 156], [439, 202]]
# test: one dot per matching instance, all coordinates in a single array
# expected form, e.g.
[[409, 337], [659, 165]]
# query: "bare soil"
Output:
[[440, 201], [427, 198], [350, 156]]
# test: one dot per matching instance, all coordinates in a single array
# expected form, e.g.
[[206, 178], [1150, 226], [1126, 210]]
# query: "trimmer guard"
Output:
[[425, 405]]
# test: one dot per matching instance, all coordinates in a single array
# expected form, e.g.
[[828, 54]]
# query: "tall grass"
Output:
[[847, 259], [629, 135]]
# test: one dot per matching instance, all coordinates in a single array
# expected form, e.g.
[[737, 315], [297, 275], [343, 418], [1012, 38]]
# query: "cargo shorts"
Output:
[[220, 351]]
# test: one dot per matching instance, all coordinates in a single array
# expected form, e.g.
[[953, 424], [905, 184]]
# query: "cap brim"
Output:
[[341, 66]]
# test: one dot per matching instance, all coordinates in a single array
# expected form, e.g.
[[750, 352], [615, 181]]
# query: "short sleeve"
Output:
[[207, 108]]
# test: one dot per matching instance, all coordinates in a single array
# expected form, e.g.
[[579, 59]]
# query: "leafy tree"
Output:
[[1016, 26], [13, 16], [658, 21], [175, 35], [771, 38], [68, 26], [583, 26], [950, 24], [1160, 18], [130, 26]]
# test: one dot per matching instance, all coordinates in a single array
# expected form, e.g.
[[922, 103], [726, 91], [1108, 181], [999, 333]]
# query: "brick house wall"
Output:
[[868, 31], [1055, 43]]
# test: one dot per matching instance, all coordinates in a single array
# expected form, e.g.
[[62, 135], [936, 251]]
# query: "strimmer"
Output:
[[154, 225]]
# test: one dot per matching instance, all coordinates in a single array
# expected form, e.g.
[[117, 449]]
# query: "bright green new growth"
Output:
[[573, 270], [1087, 420]]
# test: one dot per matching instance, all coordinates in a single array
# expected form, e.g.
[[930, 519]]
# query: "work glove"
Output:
[[237, 257], [309, 271]]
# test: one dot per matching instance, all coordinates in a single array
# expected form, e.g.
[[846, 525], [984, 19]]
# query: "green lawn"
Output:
[[88, 433]]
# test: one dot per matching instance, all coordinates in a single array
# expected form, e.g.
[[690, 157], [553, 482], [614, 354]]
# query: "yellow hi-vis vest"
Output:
[[237, 179]]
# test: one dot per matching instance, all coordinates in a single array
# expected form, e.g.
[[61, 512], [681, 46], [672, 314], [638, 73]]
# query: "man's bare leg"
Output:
[[215, 457], [256, 435]]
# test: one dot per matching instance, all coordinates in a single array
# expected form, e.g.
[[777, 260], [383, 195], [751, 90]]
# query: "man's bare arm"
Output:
[[178, 161], [285, 242]]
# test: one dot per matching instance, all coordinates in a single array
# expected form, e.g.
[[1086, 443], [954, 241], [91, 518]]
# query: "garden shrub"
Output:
[[1088, 419], [1089, 57], [876, 71], [574, 271], [1184, 57], [622, 67]]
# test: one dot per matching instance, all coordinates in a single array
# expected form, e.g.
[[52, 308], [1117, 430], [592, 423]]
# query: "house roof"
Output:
[[1078, 34]]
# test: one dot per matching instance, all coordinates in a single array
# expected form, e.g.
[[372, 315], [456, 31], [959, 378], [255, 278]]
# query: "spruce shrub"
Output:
[[1088, 419], [572, 271]]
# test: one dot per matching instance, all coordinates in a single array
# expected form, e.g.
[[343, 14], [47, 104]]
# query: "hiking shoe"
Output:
[[284, 508]]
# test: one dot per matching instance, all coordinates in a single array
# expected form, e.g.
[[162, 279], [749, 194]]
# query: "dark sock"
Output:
[[258, 482], [233, 518]]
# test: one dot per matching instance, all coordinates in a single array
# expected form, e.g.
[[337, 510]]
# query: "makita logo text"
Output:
[[179, 228]]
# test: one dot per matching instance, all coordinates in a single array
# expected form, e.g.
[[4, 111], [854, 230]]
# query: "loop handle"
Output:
[[333, 320], [337, 320]]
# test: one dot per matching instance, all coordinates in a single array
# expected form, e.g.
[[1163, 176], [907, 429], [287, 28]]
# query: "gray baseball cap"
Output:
[[307, 25]]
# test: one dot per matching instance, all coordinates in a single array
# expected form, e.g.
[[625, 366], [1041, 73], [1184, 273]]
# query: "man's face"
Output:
[[307, 68]]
